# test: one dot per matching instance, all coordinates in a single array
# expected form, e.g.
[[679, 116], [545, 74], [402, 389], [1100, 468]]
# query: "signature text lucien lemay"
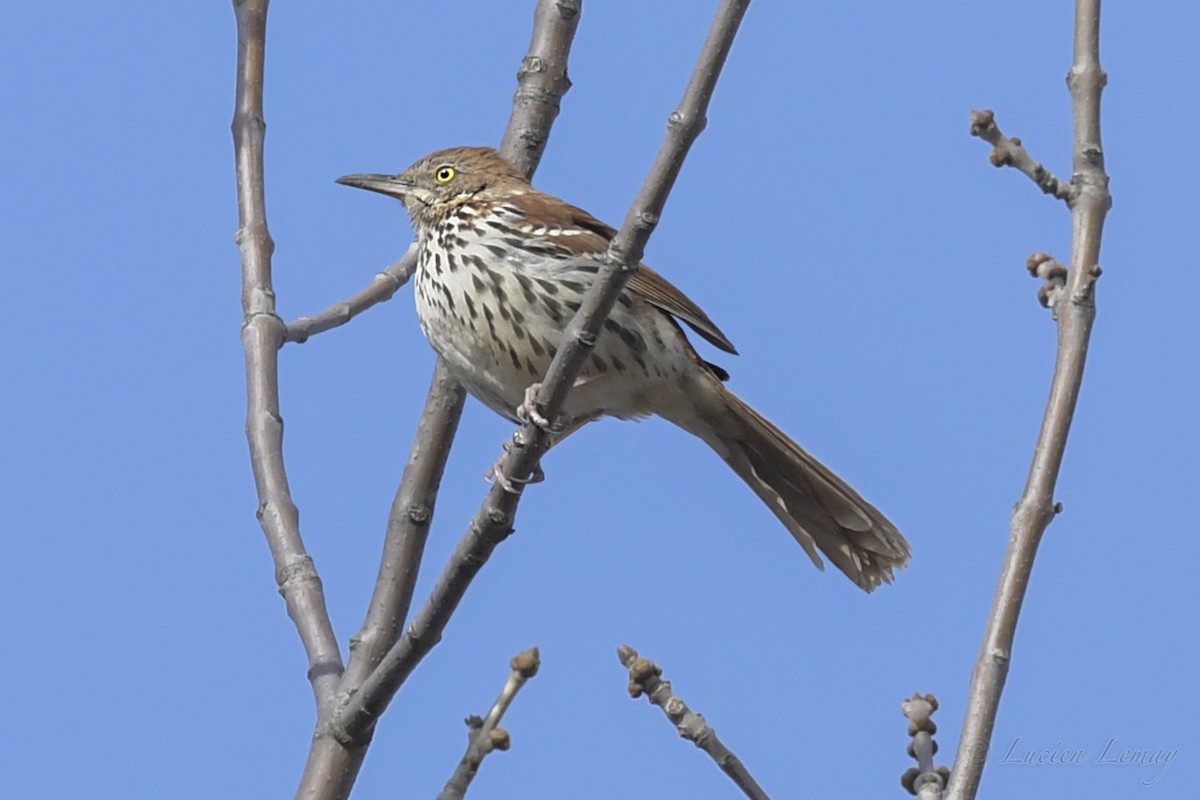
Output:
[[1113, 753]]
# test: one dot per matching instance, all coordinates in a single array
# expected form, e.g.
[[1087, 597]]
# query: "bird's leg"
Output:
[[558, 431], [513, 485], [528, 412]]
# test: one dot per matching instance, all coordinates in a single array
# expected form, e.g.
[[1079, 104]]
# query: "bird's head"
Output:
[[440, 182]]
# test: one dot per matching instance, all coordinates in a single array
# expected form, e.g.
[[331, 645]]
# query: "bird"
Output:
[[502, 268]]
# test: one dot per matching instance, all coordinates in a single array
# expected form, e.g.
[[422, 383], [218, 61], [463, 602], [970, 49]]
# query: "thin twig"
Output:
[[1036, 508], [645, 678], [494, 520], [483, 734], [262, 334], [383, 285], [333, 763], [925, 781], [1008, 152]]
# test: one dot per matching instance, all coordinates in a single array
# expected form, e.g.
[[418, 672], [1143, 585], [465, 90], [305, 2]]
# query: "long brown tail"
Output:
[[820, 509]]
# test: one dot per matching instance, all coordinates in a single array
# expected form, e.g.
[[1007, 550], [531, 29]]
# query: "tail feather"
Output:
[[820, 510]]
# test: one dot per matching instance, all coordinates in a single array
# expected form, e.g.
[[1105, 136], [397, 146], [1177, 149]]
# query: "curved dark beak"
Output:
[[390, 185]]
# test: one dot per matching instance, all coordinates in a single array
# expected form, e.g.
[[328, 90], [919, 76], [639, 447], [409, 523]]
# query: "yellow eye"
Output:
[[444, 174]]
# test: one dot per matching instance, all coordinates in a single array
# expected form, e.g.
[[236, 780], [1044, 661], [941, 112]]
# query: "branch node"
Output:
[[919, 709], [643, 675], [331, 668], [1054, 279], [499, 739], [1087, 288], [676, 710], [691, 725], [483, 733], [1093, 153], [263, 313], [981, 120], [530, 65], [338, 731], [299, 569], [526, 664]]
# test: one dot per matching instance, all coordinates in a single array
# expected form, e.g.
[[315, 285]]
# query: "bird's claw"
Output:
[[528, 412], [513, 485], [497, 475]]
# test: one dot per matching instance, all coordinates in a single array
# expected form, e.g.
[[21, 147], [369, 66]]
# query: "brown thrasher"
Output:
[[502, 268]]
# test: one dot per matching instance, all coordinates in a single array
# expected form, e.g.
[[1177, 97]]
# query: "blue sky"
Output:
[[835, 219]]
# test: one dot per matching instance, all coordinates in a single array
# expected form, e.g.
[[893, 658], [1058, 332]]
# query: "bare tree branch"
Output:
[[332, 767], [1008, 152], [541, 83], [262, 335], [645, 678], [381, 288], [407, 527], [1089, 204], [333, 763], [925, 781], [484, 736], [494, 520], [625, 252]]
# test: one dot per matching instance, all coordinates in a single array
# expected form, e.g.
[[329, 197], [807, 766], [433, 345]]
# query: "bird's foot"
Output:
[[528, 411], [512, 485]]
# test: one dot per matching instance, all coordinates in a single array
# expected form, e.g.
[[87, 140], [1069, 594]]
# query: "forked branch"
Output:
[[262, 335], [333, 759], [484, 735], [1089, 203], [541, 83], [494, 520]]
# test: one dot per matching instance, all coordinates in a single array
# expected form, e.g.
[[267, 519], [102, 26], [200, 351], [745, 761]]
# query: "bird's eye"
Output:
[[444, 174]]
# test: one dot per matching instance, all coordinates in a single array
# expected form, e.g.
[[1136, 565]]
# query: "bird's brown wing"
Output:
[[660, 292], [590, 236]]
